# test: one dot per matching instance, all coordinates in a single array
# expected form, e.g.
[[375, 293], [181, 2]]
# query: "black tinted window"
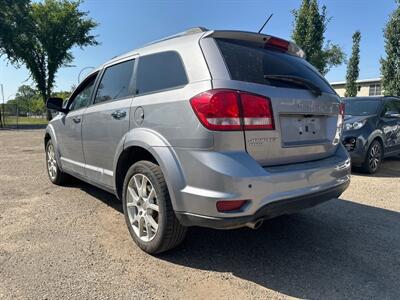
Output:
[[83, 97], [249, 63], [159, 72], [115, 82]]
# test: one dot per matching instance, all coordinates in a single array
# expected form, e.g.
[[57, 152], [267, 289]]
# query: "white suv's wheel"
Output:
[[56, 176], [148, 211], [142, 207]]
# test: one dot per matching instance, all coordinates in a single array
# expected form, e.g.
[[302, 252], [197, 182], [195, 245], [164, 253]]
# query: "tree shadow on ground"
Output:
[[105, 197]]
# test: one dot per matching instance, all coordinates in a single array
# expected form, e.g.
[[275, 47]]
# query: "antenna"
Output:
[[269, 18]]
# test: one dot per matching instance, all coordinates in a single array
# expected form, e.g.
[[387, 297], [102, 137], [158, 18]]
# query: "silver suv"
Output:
[[221, 129]]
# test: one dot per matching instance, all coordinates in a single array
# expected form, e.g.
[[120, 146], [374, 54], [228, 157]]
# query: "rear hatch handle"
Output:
[[296, 80]]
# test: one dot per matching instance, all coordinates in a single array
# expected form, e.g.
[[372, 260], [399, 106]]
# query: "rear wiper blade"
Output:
[[297, 80]]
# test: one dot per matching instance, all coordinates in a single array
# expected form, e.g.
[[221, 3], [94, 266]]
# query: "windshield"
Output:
[[249, 63], [361, 108]]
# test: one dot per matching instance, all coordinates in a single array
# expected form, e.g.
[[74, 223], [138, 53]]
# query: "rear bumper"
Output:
[[268, 211], [271, 191]]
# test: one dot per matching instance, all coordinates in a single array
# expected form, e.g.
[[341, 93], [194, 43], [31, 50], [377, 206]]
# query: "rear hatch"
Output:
[[305, 107]]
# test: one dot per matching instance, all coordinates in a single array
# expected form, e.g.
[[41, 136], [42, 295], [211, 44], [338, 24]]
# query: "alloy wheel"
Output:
[[374, 156], [142, 207], [51, 162]]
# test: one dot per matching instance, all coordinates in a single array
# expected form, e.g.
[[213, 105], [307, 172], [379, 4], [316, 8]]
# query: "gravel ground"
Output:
[[72, 242]]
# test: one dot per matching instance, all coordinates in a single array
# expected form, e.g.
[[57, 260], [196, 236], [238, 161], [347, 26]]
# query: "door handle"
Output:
[[76, 119], [118, 114]]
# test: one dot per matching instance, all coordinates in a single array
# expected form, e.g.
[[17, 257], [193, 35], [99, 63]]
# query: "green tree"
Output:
[[62, 94], [310, 24], [29, 101], [37, 105], [11, 107], [24, 98], [353, 69], [390, 65], [40, 35]]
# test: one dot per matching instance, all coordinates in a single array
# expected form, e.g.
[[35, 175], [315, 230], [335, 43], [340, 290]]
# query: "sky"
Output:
[[126, 24]]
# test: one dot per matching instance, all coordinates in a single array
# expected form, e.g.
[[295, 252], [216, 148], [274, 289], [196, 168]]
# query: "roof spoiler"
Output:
[[265, 41]]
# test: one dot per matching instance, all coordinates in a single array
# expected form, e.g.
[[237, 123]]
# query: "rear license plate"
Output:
[[297, 130]]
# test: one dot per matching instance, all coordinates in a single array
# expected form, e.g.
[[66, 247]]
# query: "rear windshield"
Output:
[[249, 63], [361, 108]]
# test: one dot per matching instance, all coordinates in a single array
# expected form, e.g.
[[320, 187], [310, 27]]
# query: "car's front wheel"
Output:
[[56, 176], [373, 159], [148, 210]]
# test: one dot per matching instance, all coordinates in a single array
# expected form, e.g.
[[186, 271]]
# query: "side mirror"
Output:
[[56, 103], [392, 114]]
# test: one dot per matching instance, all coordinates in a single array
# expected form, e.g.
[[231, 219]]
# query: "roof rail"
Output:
[[186, 32]]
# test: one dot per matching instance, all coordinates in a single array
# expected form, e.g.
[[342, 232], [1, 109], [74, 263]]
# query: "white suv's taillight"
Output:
[[229, 110], [339, 126]]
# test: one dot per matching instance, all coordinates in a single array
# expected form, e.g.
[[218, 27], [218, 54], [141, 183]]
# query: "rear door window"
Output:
[[160, 71], [392, 106], [247, 62], [116, 82]]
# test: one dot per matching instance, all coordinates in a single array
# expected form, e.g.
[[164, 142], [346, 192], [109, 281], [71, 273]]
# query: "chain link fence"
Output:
[[15, 118]]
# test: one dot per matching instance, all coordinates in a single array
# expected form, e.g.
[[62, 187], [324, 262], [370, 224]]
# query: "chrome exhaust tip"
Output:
[[255, 225]]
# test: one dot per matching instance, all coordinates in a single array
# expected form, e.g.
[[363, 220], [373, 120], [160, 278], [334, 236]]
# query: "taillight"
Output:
[[341, 115], [257, 112], [217, 109], [341, 109], [339, 124], [233, 110], [277, 43]]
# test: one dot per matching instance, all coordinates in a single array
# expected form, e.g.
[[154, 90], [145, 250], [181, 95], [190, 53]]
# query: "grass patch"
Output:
[[25, 121]]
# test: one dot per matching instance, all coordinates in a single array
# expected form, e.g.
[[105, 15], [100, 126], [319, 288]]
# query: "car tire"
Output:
[[54, 172], [373, 158], [148, 210]]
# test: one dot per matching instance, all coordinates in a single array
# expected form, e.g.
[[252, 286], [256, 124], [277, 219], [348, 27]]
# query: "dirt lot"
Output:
[[72, 242]]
